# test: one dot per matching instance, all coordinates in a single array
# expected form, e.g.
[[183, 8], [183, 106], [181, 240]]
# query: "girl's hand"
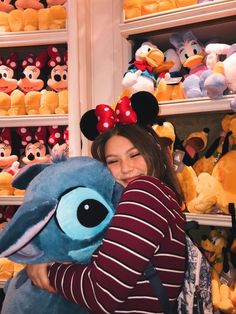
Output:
[[38, 273]]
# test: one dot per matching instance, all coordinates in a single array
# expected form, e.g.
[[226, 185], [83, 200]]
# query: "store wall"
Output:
[[108, 59]]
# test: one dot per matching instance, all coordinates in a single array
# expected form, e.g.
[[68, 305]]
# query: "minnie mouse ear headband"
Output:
[[141, 108]]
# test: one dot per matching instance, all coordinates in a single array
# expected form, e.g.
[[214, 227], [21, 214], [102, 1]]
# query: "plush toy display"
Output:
[[34, 144], [29, 15], [8, 82], [132, 8], [58, 80], [73, 231], [192, 56], [217, 149], [152, 6], [216, 249], [51, 3], [32, 82], [6, 6], [169, 82], [136, 8], [25, 4], [4, 23], [140, 75], [223, 76]]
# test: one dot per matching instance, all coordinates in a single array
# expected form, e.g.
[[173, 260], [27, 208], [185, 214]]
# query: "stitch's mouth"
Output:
[[28, 253]]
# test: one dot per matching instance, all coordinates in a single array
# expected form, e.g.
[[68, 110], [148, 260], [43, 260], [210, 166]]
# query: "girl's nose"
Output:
[[126, 166]]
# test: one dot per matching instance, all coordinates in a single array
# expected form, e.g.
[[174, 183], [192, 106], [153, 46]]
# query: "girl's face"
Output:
[[124, 160]]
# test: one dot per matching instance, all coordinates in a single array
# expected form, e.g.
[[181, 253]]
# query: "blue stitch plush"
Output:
[[66, 210]]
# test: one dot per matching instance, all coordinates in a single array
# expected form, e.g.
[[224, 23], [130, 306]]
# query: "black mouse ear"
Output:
[[146, 107], [88, 125]]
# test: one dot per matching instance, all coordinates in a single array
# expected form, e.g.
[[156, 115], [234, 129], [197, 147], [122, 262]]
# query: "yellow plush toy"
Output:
[[132, 8], [223, 275], [52, 18], [8, 269], [16, 20], [17, 103], [205, 199], [48, 102], [165, 129], [152, 6], [32, 102], [219, 147], [30, 20], [223, 295], [62, 107], [169, 85], [6, 184], [4, 23], [225, 173], [5, 101]]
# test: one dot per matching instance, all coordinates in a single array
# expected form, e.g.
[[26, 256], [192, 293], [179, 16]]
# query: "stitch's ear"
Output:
[[27, 173]]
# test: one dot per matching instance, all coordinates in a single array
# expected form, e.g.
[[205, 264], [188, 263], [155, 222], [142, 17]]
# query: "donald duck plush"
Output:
[[66, 210]]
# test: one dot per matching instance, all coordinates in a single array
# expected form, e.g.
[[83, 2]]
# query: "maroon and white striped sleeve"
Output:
[[133, 238]]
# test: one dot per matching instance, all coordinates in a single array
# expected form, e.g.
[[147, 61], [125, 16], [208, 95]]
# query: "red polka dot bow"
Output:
[[107, 117]]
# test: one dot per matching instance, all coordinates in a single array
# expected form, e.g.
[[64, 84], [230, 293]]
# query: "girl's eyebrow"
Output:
[[128, 151]]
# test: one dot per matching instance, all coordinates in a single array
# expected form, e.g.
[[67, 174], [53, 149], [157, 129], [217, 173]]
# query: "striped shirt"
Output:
[[148, 226]]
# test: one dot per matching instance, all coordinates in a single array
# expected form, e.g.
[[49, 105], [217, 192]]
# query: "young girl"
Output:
[[148, 226]]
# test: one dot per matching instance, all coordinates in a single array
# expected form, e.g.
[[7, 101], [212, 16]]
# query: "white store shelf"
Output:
[[39, 120], [37, 38], [210, 219], [195, 105], [11, 200], [179, 17]]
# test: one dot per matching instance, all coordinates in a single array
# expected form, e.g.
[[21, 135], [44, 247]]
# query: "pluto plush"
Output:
[[66, 210]]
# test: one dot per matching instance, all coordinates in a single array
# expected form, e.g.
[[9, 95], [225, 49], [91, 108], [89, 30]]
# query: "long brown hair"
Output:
[[149, 146]]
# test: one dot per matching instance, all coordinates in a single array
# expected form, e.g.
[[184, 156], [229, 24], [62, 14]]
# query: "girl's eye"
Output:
[[134, 155], [109, 162]]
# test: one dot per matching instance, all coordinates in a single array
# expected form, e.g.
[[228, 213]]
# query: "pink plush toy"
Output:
[[6, 6], [223, 77], [26, 4], [50, 3]]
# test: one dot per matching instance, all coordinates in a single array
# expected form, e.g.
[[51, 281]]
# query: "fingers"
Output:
[[38, 274]]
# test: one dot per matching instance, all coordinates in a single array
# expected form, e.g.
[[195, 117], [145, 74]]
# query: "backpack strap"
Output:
[[151, 274]]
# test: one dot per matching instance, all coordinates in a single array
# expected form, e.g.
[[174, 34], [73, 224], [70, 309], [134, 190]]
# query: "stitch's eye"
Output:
[[82, 213]]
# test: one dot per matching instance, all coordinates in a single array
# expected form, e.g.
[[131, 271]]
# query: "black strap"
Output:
[[151, 274]]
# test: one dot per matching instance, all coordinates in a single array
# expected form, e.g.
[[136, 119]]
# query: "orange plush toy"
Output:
[[169, 82], [132, 8]]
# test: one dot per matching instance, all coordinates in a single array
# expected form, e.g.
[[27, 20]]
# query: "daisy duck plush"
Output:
[[67, 208], [192, 55]]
